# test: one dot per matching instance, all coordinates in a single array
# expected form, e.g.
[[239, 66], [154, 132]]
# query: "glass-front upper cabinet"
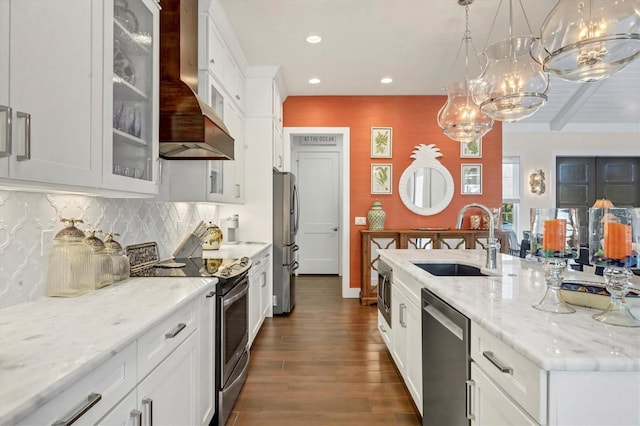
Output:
[[131, 160]]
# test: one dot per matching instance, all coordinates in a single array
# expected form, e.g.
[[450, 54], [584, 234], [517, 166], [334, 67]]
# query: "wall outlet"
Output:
[[46, 242], [361, 220]]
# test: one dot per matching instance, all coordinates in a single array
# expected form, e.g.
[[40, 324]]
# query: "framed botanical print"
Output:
[[471, 179], [381, 139], [381, 180], [471, 149]]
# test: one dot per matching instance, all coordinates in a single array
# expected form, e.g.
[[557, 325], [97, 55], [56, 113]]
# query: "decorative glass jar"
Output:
[[102, 267], [376, 216], [119, 262], [70, 271]]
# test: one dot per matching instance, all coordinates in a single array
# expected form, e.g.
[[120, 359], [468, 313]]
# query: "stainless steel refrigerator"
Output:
[[286, 216]]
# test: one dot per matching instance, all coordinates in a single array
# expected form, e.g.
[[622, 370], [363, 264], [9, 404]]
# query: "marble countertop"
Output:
[[236, 250], [502, 305], [48, 344]]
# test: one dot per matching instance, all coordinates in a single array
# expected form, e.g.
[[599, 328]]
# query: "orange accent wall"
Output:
[[413, 119]]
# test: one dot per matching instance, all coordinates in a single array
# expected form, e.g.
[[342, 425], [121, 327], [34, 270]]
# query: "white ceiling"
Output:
[[415, 42]]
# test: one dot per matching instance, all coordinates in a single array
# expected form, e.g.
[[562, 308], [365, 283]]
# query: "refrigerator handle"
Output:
[[296, 200]]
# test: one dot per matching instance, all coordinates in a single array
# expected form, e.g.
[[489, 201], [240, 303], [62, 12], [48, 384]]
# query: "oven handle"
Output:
[[226, 302]]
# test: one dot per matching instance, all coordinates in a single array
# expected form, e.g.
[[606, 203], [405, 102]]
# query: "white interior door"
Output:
[[319, 233]]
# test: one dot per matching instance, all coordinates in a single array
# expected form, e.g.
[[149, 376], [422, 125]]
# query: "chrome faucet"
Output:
[[492, 244]]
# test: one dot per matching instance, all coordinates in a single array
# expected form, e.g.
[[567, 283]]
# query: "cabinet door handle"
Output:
[[470, 404], [147, 411], [237, 190], [382, 328], [263, 278], [495, 361], [27, 136], [403, 307], [136, 417], [173, 333], [211, 294], [238, 97], [7, 131], [80, 410]]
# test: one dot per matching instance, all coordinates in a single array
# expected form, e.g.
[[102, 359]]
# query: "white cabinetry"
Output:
[[512, 373], [158, 376], [490, 406], [94, 395], [130, 151], [264, 110], [58, 92], [260, 292], [266, 285], [168, 394], [406, 335], [206, 401], [51, 78], [507, 387]]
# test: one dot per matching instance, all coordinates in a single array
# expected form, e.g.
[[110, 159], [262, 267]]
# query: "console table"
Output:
[[419, 239]]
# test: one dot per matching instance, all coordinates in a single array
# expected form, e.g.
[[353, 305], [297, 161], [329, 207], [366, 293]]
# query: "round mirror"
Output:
[[426, 186]]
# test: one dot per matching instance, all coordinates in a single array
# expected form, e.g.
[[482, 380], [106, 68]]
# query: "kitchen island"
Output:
[[585, 372]]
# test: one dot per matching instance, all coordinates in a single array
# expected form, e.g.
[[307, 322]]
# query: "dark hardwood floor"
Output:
[[324, 364]]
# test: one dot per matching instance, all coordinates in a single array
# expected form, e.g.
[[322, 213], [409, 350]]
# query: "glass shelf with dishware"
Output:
[[132, 162]]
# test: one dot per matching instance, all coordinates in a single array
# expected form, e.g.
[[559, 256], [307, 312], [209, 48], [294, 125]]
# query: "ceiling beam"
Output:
[[573, 105]]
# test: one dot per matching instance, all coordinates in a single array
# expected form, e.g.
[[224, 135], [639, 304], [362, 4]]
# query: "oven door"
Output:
[[234, 328], [384, 291]]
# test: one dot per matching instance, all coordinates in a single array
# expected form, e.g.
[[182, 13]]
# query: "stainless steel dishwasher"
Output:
[[445, 363]]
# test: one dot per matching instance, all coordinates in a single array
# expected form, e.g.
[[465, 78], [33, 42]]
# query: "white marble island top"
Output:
[[502, 305], [48, 344]]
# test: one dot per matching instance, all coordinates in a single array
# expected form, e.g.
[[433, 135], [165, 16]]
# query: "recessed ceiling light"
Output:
[[386, 80], [314, 80], [313, 39]]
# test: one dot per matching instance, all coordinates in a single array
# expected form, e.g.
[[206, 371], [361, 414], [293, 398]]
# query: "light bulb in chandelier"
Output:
[[588, 40], [460, 118], [513, 85]]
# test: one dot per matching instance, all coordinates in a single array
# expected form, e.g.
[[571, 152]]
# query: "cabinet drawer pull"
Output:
[[147, 411], [79, 411], [210, 294], [495, 361], [136, 417], [173, 333], [470, 408], [382, 328], [7, 134], [27, 136]]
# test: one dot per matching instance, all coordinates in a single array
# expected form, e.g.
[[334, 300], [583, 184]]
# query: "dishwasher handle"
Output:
[[444, 320]]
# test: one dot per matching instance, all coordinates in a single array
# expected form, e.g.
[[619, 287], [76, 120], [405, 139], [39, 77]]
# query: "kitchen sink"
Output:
[[451, 270]]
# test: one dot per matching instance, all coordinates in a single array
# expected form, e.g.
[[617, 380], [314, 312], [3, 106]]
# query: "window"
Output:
[[510, 193]]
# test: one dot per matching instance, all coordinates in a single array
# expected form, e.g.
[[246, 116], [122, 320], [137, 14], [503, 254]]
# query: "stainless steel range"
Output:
[[232, 308]]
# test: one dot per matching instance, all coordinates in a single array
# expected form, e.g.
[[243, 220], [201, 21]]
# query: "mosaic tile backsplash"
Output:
[[24, 215]]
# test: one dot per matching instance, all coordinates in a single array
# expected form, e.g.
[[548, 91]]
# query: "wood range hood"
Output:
[[189, 128]]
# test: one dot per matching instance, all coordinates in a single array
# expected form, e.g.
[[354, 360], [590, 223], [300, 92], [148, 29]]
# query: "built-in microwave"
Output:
[[385, 276]]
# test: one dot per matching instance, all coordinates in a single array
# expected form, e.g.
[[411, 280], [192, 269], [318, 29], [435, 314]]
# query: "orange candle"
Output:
[[554, 234], [617, 240]]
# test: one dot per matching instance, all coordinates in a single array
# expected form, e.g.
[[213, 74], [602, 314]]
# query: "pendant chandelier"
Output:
[[460, 117], [513, 85], [588, 40]]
